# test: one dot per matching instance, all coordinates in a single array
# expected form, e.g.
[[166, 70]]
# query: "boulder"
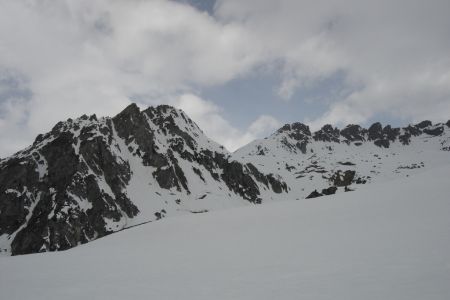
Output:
[[329, 191], [314, 194]]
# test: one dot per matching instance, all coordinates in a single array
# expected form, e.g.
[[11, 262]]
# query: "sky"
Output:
[[239, 68]]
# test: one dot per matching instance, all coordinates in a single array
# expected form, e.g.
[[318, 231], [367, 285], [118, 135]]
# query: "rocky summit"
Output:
[[90, 176]]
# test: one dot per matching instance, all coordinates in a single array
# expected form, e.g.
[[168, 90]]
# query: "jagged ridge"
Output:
[[90, 177], [330, 160]]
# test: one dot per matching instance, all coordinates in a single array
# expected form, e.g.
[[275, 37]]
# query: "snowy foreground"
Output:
[[384, 241]]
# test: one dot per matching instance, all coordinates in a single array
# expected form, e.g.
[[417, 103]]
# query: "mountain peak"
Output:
[[90, 177], [296, 127], [131, 109]]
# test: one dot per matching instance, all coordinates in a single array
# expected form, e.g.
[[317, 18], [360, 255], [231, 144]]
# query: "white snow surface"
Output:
[[303, 172], [387, 240]]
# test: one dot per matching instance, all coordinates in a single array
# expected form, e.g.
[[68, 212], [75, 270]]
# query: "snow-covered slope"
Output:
[[332, 159], [387, 240]]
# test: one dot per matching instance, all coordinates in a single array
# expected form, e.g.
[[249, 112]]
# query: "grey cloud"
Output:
[[15, 97], [396, 53], [83, 56], [13, 85]]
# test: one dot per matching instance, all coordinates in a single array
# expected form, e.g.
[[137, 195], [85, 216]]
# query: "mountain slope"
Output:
[[332, 160], [89, 177], [387, 240]]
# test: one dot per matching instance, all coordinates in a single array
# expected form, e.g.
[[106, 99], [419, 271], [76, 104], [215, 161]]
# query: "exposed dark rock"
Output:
[[391, 133], [159, 215], [302, 146], [435, 131], [412, 130], [382, 143], [314, 194], [62, 161], [343, 179], [327, 134], [347, 163], [409, 132], [353, 133], [329, 191], [277, 185], [236, 179], [56, 222], [258, 201], [131, 125], [375, 132], [258, 175], [164, 116], [299, 130], [181, 178], [405, 138], [360, 180], [382, 137], [199, 211], [166, 178], [199, 173], [40, 138], [296, 130], [289, 168], [424, 124]]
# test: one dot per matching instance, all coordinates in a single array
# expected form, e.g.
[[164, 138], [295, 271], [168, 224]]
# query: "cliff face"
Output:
[[90, 177]]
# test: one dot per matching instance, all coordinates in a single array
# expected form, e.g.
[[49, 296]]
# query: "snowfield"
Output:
[[387, 240]]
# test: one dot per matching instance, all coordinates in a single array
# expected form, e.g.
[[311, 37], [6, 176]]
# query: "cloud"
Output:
[[208, 117], [395, 55], [263, 125], [15, 96], [84, 56]]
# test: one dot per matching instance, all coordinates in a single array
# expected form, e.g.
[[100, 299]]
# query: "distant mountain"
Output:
[[332, 160], [90, 177]]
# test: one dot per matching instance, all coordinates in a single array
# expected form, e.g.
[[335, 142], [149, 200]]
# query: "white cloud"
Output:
[[264, 125], [395, 52], [208, 117], [84, 56]]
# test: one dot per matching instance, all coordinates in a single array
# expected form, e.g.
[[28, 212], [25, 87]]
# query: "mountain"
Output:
[[386, 240], [89, 177], [331, 160]]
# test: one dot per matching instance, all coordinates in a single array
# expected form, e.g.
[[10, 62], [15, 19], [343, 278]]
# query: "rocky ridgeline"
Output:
[[376, 133], [73, 184], [89, 177], [329, 160]]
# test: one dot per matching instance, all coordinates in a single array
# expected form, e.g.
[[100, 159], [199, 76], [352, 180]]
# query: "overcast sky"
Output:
[[239, 68]]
